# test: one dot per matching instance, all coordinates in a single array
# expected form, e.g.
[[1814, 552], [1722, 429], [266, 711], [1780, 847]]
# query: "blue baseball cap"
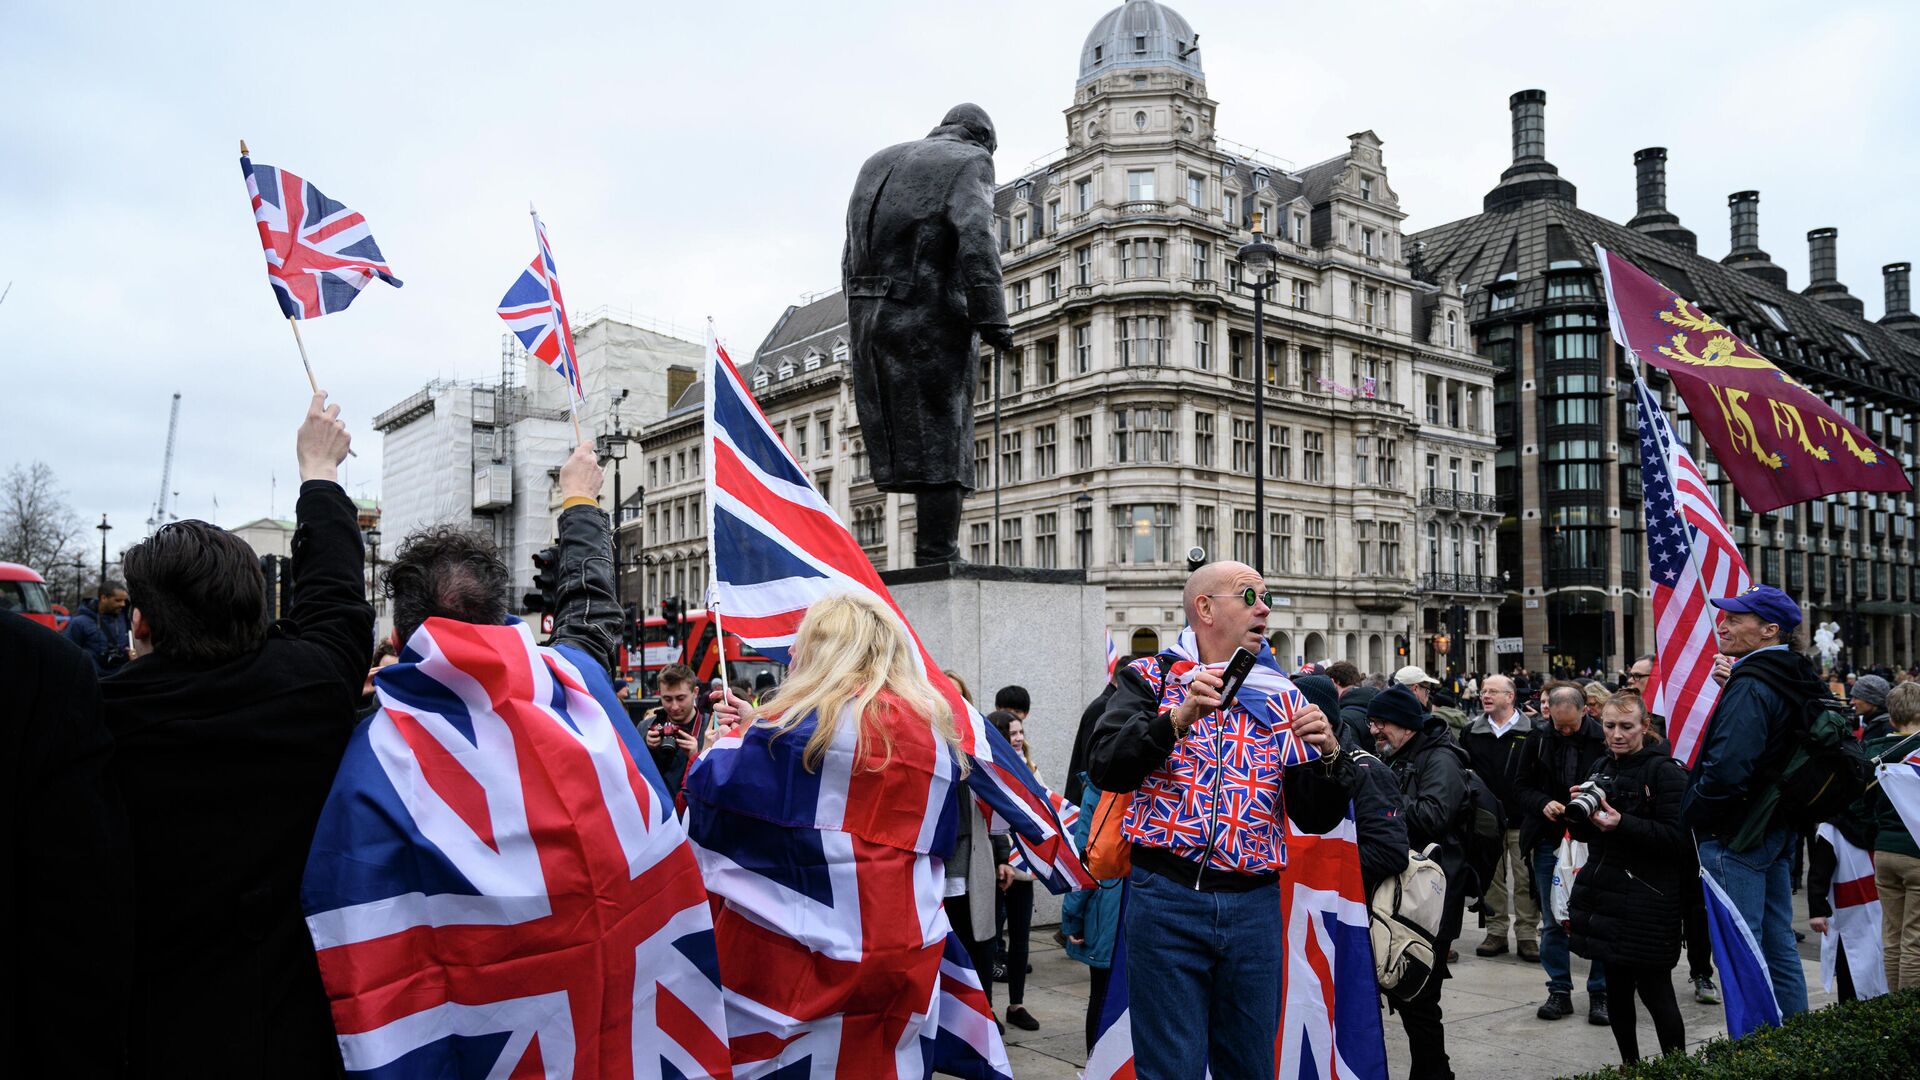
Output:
[[1767, 602]]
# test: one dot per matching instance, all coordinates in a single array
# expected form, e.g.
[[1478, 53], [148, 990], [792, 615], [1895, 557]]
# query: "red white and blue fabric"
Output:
[[1217, 796], [498, 886], [1691, 559], [1854, 926], [320, 254], [1330, 1026], [1745, 987], [777, 546], [1113, 654], [831, 933], [1069, 817], [1901, 782], [537, 314]]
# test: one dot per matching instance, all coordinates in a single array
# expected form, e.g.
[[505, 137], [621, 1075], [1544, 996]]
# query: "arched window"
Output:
[[1282, 648], [1145, 641], [1315, 649], [1453, 329], [1353, 648], [1376, 653]]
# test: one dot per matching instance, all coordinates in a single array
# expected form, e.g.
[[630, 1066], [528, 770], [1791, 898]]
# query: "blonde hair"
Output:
[[1903, 705], [959, 684], [849, 649]]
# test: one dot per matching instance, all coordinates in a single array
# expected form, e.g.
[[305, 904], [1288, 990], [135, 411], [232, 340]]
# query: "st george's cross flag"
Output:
[[1691, 560], [498, 885], [1854, 926], [537, 314], [320, 254], [1778, 442]]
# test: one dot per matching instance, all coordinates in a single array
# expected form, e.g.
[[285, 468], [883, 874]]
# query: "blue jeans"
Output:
[[1760, 885], [1553, 936], [1203, 979]]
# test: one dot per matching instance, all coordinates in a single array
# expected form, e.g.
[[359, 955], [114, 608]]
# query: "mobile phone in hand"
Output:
[[1239, 666]]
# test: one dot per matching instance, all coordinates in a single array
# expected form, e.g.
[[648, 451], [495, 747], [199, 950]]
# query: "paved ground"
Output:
[[1492, 1032]]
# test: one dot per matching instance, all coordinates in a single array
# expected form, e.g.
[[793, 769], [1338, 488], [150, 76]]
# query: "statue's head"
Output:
[[973, 123]]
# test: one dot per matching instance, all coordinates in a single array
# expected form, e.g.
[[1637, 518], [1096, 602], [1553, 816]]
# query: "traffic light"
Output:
[[546, 580], [672, 610], [1400, 646], [630, 629]]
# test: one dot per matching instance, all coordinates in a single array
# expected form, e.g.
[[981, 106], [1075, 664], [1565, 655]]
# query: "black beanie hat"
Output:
[[1397, 705]]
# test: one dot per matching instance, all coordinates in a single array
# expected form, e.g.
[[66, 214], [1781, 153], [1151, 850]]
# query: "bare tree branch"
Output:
[[37, 526]]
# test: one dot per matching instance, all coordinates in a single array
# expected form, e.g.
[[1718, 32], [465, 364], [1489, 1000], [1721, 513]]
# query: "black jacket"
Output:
[[1748, 738], [588, 617], [224, 769], [1431, 770], [1550, 765], [1497, 758], [1133, 737], [1378, 824], [66, 890], [1353, 713], [1082, 739], [1632, 893]]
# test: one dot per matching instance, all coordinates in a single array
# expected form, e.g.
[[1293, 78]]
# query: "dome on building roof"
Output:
[[1137, 34]]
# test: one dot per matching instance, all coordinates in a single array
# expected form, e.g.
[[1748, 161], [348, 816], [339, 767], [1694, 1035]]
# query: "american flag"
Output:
[[498, 885], [1691, 559], [537, 314], [777, 546], [319, 253]]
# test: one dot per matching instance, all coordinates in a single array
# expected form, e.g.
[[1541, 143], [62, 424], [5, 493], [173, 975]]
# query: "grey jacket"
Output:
[[588, 617]]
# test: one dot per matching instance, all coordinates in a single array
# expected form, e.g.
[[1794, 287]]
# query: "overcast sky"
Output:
[[695, 159]]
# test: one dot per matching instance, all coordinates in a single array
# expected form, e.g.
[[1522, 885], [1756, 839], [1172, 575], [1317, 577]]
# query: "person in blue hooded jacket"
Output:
[[1090, 918]]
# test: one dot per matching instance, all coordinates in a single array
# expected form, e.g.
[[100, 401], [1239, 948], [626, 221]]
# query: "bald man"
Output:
[[1493, 741], [1204, 943]]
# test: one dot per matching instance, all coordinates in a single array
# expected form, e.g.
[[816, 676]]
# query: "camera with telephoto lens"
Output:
[[1585, 800]]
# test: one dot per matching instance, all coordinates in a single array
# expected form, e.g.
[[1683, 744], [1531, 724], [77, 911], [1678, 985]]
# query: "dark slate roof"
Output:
[[692, 399], [813, 326], [1524, 240]]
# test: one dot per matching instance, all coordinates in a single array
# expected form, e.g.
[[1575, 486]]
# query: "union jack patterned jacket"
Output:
[[1215, 796]]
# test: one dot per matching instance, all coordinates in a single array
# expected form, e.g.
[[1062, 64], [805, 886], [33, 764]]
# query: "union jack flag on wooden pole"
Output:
[[537, 314]]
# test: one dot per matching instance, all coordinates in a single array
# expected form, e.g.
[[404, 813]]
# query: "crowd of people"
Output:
[[167, 790]]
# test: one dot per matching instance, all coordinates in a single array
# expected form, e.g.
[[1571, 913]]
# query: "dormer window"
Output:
[[786, 369], [1774, 315], [1366, 189], [1853, 342], [760, 379], [1097, 51], [839, 352], [813, 361], [1139, 43]]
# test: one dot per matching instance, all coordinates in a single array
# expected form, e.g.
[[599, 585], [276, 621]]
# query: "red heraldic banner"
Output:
[[1778, 442]]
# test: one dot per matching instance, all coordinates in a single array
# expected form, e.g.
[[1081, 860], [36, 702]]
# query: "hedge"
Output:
[[1877, 1039]]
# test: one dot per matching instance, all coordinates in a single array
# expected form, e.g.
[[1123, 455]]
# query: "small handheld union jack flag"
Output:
[[537, 315], [320, 254]]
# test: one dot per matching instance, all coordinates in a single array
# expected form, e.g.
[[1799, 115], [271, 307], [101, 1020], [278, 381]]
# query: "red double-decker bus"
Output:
[[697, 648], [24, 592]]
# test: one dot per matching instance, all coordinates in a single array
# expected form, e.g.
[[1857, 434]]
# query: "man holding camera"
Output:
[[672, 731], [1553, 762], [1749, 736], [1204, 943]]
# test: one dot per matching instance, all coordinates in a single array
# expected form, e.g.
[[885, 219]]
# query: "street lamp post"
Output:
[[104, 530], [1256, 272], [372, 535], [613, 447]]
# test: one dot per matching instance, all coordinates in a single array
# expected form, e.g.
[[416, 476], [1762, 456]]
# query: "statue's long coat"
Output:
[[921, 273]]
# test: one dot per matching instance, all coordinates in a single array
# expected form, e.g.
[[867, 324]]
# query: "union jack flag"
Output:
[[777, 546], [537, 314], [319, 253], [498, 886], [1113, 654], [1329, 1006], [1691, 559]]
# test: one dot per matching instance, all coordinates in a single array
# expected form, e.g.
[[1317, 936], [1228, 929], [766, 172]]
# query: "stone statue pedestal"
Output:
[[1001, 625]]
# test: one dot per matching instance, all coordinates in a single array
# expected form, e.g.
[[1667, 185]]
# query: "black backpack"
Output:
[[1483, 832], [1818, 779]]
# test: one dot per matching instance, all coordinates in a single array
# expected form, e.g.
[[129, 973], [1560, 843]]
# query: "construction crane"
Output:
[[159, 517]]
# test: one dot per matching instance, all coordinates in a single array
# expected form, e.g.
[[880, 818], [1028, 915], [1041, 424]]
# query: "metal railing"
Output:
[[1472, 502], [1472, 584]]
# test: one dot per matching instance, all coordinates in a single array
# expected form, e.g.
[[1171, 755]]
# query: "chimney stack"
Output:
[[1899, 316], [1652, 216], [1530, 176], [1823, 263], [1746, 256]]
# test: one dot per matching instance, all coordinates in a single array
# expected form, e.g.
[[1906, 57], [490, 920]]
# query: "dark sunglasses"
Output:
[[1250, 596]]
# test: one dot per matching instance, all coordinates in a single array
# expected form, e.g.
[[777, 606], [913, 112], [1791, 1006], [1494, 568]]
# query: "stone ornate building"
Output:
[[1568, 478], [1126, 431]]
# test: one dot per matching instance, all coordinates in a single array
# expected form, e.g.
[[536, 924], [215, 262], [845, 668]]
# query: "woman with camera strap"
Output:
[[1631, 895]]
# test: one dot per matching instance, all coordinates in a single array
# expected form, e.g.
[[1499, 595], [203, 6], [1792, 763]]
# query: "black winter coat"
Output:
[[1550, 765], [921, 273], [1432, 773], [1353, 713], [224, 769], [1379, 827], [1497, 758], [1631, 895]]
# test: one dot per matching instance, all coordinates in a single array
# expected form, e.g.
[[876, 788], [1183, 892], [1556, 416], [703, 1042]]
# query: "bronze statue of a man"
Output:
[[922, 277]]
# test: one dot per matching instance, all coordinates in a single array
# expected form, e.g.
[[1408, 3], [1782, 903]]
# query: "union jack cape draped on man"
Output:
[[320, 254], [498, 886], [1691, 559], [1330, 1025], [537, 314]]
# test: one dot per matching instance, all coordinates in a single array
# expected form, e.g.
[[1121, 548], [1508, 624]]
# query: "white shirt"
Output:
[[1499, 728]]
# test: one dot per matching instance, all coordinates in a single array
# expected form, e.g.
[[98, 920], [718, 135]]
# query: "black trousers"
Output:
[[979, 950], [1693, 927], [1096, 1000], [1420, 1016], [1016, 915], [1655, 987]]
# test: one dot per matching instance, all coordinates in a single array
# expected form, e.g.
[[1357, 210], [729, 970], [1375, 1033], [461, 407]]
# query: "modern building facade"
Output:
[[1568, 480], [1125, 431]]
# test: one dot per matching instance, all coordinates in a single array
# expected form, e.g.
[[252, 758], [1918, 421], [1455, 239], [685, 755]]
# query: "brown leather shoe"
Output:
[[1530, 951], [1492, 946]]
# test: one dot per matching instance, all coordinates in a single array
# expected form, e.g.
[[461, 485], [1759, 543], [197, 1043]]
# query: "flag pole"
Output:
[[304, 362]]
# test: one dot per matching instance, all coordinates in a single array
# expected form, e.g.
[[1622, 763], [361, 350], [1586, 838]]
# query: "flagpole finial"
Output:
[[243, 148]]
